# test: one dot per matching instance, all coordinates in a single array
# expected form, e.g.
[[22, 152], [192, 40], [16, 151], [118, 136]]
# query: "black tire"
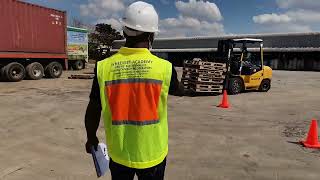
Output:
[[53, 70], [235, 86], [35, 71], [78, 65], [14, 72], [2, 78], [265, 85]]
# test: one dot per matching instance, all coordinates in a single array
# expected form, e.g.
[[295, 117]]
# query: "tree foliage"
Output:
[[100, 41]]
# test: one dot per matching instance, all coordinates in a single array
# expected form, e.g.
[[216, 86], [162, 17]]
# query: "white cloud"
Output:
[[202, 10], [301, 4], [187, 26], [102, 8], [271, 18], [301, 16], [304, 16], [284, 28], [196, 18]]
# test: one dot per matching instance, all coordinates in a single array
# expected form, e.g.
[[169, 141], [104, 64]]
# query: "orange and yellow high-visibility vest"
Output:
[[134, 87]]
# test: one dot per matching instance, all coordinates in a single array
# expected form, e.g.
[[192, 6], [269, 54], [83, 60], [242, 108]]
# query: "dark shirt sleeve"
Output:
[[176, 88], [93, 112]]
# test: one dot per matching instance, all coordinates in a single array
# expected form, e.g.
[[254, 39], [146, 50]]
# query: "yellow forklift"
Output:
[[245, 70]]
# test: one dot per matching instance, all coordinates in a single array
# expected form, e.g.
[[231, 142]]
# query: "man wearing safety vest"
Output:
[[131, 89]]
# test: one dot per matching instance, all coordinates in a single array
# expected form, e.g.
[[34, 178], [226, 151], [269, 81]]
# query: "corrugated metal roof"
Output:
[[236, 50], [275, 42]]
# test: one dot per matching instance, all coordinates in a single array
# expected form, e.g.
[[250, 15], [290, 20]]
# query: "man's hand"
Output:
[[92, 142]]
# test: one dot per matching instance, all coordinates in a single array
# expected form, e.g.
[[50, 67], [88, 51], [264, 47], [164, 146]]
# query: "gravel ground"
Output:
[[42, 132]]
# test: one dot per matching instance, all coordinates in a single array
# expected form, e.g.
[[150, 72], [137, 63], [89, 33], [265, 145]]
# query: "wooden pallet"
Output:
[[201, 72], [206, 90], [215, 66], [186, 83], [212, 82], [205, 79], [210, 76], [207, 64], [209, 87], [207, 71], [81, 76]]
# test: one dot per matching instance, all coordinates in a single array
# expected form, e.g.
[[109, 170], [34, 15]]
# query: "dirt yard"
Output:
[[42, 132]]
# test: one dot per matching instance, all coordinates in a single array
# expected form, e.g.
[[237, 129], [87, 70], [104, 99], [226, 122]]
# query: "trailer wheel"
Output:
[[14, 72], [265, 85], [53, 70], [35, 71], [2, 77], [78, 65], [235, 86]]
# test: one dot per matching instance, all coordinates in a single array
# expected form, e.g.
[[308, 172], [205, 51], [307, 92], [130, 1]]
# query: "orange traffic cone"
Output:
[[224, 102], [312, 139]]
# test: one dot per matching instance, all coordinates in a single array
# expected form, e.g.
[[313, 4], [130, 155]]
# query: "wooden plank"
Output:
[[197, 70], [207, 67], [192, 81], [212, 78], [81, 76], [206, 90], [208, 75], [206, 86]]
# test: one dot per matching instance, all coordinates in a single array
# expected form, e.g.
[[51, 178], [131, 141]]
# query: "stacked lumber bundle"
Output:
[[201, 76]]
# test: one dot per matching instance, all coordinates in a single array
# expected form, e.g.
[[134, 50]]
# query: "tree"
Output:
[[75, 22], [101, 39]]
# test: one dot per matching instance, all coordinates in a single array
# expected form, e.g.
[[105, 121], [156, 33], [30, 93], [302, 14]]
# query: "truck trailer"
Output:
[[77, 47], [33, 41]]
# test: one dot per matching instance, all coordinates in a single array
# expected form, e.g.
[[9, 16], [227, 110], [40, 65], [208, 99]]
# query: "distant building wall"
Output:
[[286, 51]]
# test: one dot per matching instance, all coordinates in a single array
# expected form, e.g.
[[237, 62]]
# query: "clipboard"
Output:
[[100, 159]]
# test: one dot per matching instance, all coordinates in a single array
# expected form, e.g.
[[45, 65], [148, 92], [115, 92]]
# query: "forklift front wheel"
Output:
[[265, 85], [235, 86]]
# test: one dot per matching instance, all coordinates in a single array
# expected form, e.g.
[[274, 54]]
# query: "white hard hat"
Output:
[[141, 16]]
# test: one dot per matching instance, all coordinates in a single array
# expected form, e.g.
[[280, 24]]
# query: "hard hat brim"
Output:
[[138, 28]]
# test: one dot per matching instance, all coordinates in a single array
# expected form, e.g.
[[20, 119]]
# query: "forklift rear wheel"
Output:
[[235, 86], [265, 85]]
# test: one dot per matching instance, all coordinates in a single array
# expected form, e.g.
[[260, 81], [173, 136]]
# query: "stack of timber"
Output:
[[203, 77]]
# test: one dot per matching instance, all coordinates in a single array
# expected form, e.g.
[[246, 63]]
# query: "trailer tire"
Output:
[[53, 70], [35, 71], [2, 77], [78, 65], [14, 72], [236, 86]]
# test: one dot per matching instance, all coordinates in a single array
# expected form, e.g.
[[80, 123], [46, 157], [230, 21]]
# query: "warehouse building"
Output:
[[289, 51]]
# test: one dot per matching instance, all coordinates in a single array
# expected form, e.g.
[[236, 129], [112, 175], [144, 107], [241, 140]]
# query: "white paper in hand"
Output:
[[100, 159]]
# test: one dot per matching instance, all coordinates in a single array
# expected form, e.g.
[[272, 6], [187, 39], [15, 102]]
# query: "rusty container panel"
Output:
[[30, 28]]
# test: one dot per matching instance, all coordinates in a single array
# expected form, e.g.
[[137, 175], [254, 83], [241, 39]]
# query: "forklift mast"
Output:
[[225, 52]]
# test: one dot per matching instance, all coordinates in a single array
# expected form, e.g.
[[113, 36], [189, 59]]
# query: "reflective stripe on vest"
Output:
[[134, 86]]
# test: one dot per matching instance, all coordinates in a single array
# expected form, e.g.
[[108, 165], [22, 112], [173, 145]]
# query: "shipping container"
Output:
[[33, 41], [77, 47]]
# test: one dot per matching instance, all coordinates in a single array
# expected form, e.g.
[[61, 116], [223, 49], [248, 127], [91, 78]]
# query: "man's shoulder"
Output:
[[108, 59], [160, 59]]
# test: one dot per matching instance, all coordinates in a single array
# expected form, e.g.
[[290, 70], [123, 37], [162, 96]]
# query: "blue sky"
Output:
[[202, 17]]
